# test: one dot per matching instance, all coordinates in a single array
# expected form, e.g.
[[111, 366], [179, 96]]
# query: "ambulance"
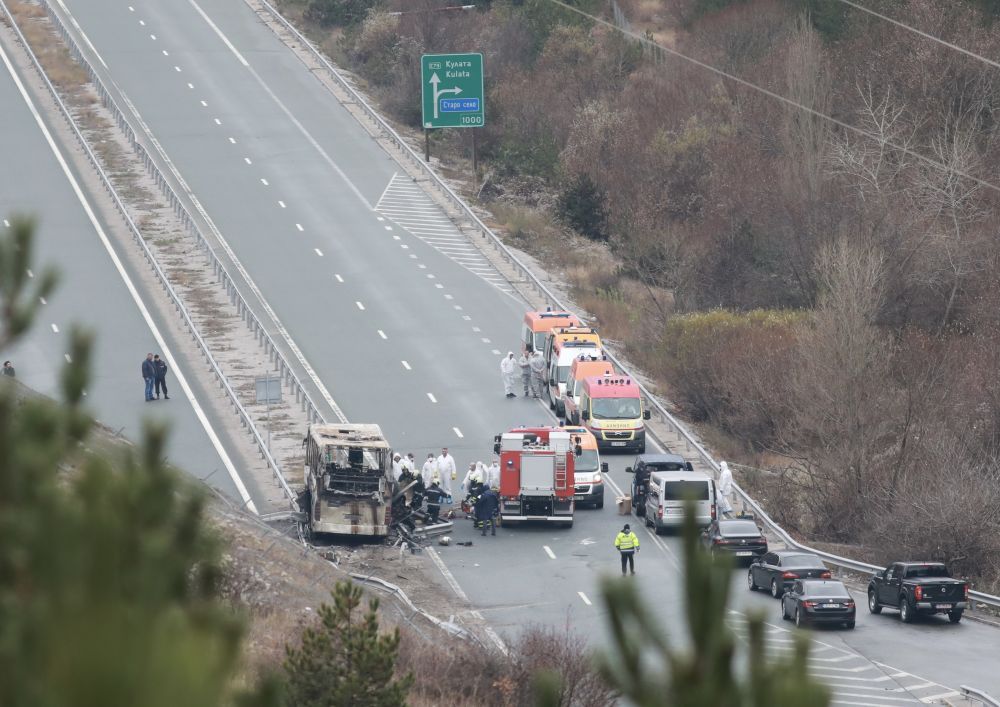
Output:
[[589, 470], [564, 346], [611, 409], [538, 325], [584, 366]]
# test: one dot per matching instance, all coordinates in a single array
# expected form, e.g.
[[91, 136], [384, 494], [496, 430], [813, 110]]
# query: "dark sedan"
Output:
[[777, 570], [818, 601], [740, 538]]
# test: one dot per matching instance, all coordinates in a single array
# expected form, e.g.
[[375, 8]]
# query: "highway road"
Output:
[[93, 293], [405, 328]]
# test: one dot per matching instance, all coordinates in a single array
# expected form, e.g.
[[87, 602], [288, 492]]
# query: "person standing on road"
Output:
[[725, 489], [397, 466], [434, 497], [493, 474], [486, 510], [508, 371], [627, 544], [429, 471], [525, 363], [446, 468], [160, 366], [149, 375], [537, 373], [8, 370]]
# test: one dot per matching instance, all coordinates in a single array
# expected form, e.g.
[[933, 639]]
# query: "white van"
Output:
[[666, 495]]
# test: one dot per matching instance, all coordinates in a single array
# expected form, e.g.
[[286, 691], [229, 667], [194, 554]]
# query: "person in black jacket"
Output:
[[149, 375], [486, 509], [161, 376]]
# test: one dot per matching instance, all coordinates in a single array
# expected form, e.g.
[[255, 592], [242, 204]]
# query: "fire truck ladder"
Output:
[[561, 472]]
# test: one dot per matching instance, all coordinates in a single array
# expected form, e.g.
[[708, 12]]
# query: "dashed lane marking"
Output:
[[318, 252], [55, 329], [360, 306], [43, 300], [264, 182], [282, 204], [382, 334], [190, 85], [177, 69], [219, 122], [584, 598], [458, 432], [69, 359], [232, 140], [415, 212], [432, 398], [153, 37], [406, 365], [166, 53], [338, 278], [299, 226], [548, 551]]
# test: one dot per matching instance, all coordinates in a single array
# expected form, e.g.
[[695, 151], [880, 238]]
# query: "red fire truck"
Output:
[[536, 475]]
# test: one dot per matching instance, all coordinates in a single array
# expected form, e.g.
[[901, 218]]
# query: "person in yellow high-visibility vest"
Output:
[[627, 544]]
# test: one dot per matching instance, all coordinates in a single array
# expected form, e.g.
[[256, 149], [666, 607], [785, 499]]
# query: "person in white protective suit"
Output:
[[493, 474], [446, 468], [397, 466], [508, 371], [473, 476], [537, 373], [725, 491], [429, 472], [525, 365]]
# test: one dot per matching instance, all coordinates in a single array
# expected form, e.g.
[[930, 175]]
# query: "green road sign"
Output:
[[451, 89]]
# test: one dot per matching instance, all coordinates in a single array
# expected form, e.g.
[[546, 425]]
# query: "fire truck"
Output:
[[536, 474]]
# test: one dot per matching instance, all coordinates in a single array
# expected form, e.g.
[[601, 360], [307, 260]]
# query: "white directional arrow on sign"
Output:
[[438, 92]]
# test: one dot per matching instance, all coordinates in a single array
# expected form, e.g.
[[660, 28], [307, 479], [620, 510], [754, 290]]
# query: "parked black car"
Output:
[[643, 466], [818, 601], [776, 571], [918, 588], [741, 538]]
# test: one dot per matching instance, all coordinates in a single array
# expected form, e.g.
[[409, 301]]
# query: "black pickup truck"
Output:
[[918, 588]]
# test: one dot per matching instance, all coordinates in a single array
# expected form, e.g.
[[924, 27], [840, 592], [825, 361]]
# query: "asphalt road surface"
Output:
[[93, 294], [379, 296]]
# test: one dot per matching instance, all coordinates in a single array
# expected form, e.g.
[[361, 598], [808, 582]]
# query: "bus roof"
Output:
[[349, 435], [547, 321], [619, 386]]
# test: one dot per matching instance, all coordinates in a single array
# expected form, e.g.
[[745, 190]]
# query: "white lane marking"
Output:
[[217, 121], [142, 23], [405, 247], [455, 587], [177, 69], [360, 306], [584, 598], [55, 329], [413, 255], [476, 329], [439, 285], [339, 278], [421, 266], [466, 317], [382, 334], [379, 218], [388, 228], [218, 31], [397, 238], [43, 300], [204, 104], [172, 362], [496, 352], [166, 53], [870, 697], [548, 551], [406, 365], [934, 698], [30, 274], [69, 359], [431, 277], [318, 252], [921, 686], [247, 160], [131, 9], [232, 140], [264, 182], [282, 204], [190, 85], [452, 297], [431, 396], [153, 37], [6, 223], [486, 341], [299, 226], [458, 432]]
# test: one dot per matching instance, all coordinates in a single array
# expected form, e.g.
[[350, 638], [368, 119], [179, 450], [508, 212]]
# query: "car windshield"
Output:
[[615, 408], [801, 561], [739, 527], [681, 490], [927, 571], [587, 461], [825, 589]]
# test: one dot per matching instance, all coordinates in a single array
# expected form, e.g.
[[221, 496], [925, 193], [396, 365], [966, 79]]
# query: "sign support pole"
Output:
[[427, 145], [475, 157]]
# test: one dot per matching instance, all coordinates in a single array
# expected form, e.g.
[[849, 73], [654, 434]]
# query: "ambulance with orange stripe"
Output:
[[611, 409]]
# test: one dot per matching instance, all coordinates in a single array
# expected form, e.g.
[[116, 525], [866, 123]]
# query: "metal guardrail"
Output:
[[679, 429], [977, 694], [179, 211]]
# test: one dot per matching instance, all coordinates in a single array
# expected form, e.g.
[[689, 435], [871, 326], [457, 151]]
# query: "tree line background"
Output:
[[825, 301]]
